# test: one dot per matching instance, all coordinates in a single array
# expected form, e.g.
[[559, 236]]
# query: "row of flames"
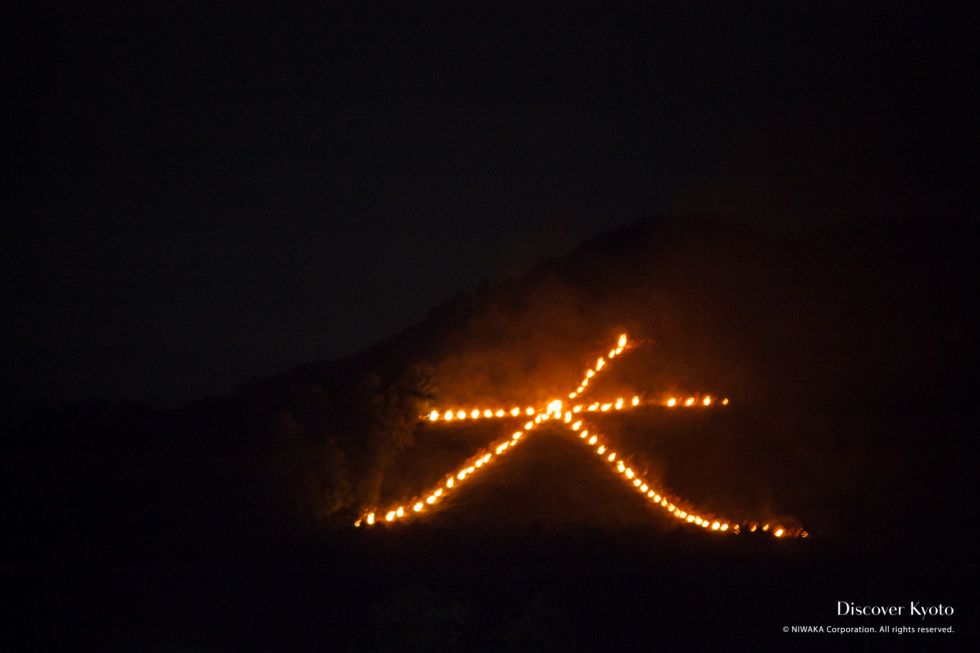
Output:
[[689, 401], [571, 418]]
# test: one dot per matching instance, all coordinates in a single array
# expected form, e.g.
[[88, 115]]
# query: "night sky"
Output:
[[195, 197]]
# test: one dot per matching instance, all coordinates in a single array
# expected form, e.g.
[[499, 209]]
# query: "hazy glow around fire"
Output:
[[557, 411]]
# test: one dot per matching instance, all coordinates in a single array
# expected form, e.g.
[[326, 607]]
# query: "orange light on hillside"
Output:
[[554, 409]]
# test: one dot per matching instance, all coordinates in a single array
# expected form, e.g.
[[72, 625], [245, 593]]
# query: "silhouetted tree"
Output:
[[414, 621], [541, 629]]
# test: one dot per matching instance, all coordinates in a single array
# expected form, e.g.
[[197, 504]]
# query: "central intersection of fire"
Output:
[[573, 417]]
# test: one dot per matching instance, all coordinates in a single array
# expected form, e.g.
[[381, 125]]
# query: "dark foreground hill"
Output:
[[850, 356]]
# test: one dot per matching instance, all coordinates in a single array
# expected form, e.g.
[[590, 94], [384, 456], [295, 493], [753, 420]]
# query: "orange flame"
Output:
[[555, 409]]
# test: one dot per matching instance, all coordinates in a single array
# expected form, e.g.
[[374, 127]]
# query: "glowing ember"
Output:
[[554, 409]]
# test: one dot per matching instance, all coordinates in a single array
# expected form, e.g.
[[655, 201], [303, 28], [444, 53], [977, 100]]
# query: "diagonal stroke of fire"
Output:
[[573, 417]]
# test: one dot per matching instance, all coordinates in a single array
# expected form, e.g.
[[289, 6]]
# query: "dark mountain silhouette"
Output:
[[826, 341], [849, 352]]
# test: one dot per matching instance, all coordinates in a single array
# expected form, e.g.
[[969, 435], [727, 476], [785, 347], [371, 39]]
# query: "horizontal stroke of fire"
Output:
[[573, 417]]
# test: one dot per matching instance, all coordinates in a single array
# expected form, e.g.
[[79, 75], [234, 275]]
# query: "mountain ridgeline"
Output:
[[848, 353]]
